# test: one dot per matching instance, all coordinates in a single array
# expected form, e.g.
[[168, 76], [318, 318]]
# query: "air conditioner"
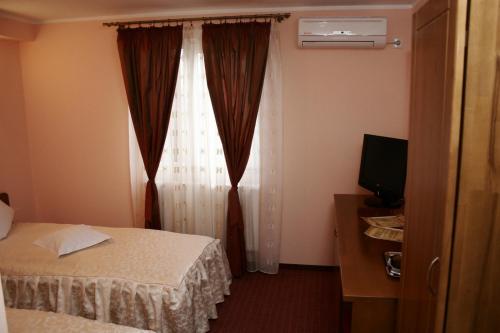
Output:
[[347, 32]]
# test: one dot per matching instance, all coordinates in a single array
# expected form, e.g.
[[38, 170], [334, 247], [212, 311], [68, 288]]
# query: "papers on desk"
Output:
[[397, 221], [390, 234], [385, 227]]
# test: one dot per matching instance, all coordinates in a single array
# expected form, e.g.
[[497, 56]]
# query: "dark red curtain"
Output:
[[150, 62], [235, 63]]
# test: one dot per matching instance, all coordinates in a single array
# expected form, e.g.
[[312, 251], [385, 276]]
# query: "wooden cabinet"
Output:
[[474, 291], [451, 250], [438, 55]]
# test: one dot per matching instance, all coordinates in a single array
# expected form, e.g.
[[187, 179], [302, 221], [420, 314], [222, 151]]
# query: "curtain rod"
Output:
[[278, 17]]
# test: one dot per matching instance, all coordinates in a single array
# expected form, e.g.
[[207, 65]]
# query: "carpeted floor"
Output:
[[295, 300]]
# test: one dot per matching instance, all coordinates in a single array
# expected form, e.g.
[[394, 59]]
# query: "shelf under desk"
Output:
[[371, 293]]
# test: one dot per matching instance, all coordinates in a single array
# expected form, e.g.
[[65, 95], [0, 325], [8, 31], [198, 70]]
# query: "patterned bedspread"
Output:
[[148, 279]]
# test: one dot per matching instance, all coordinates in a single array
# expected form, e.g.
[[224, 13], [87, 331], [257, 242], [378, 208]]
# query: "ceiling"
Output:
[[54, 10]]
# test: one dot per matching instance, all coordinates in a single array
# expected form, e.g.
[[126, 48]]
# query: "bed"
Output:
[[148, 279], [29, 321]]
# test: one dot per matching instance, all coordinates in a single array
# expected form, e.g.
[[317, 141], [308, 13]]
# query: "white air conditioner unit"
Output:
[[347, 32]]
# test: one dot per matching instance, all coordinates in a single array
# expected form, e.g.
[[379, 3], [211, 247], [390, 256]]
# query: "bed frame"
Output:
[[5, 198]]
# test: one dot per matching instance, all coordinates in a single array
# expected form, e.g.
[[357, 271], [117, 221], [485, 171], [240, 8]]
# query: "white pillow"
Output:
[[6, 217], [71, 239]]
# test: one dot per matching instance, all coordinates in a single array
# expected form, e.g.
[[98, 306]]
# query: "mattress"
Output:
[[148, 279], [29, 321]]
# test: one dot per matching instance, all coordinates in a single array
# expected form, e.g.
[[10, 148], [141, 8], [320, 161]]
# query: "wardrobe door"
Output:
[[433, 154], [474, 292]]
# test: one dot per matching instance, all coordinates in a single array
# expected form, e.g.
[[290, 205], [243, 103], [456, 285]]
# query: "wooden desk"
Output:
[[372, 294]]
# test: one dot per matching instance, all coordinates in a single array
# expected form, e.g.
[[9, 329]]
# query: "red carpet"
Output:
[[295, 300]]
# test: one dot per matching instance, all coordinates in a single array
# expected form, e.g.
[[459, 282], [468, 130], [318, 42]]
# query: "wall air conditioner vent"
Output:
[[345, 32]]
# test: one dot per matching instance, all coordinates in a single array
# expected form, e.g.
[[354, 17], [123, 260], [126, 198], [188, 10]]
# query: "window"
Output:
[[192, 178]]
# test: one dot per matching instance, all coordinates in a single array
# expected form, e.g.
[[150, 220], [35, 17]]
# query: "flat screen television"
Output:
[[383, 170]]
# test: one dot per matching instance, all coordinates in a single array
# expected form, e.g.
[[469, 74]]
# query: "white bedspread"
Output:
[[30, 321], [157, 280]]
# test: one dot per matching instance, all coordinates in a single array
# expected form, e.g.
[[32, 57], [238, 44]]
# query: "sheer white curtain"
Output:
[[3, 316], [192, 179]]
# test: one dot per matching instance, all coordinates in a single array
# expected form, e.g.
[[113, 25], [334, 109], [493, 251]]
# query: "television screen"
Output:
[[383, 167]]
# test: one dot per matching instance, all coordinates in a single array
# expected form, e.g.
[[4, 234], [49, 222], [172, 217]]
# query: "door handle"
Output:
[[430, 270]]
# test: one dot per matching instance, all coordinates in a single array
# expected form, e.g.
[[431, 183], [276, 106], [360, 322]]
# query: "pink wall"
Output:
[[331, 98], [77, 120], [15, 170]]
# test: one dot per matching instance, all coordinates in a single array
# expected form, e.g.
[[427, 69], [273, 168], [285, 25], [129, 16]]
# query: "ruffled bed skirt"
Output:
[[30, 321], [156, 307]]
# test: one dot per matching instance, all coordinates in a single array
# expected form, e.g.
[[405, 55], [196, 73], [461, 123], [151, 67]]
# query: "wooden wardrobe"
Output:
[[451, 252]]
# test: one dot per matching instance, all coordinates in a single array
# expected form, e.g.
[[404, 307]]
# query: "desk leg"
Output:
[[345, 317]]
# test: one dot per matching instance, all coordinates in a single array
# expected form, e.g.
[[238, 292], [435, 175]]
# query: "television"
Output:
[[383, 170]]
